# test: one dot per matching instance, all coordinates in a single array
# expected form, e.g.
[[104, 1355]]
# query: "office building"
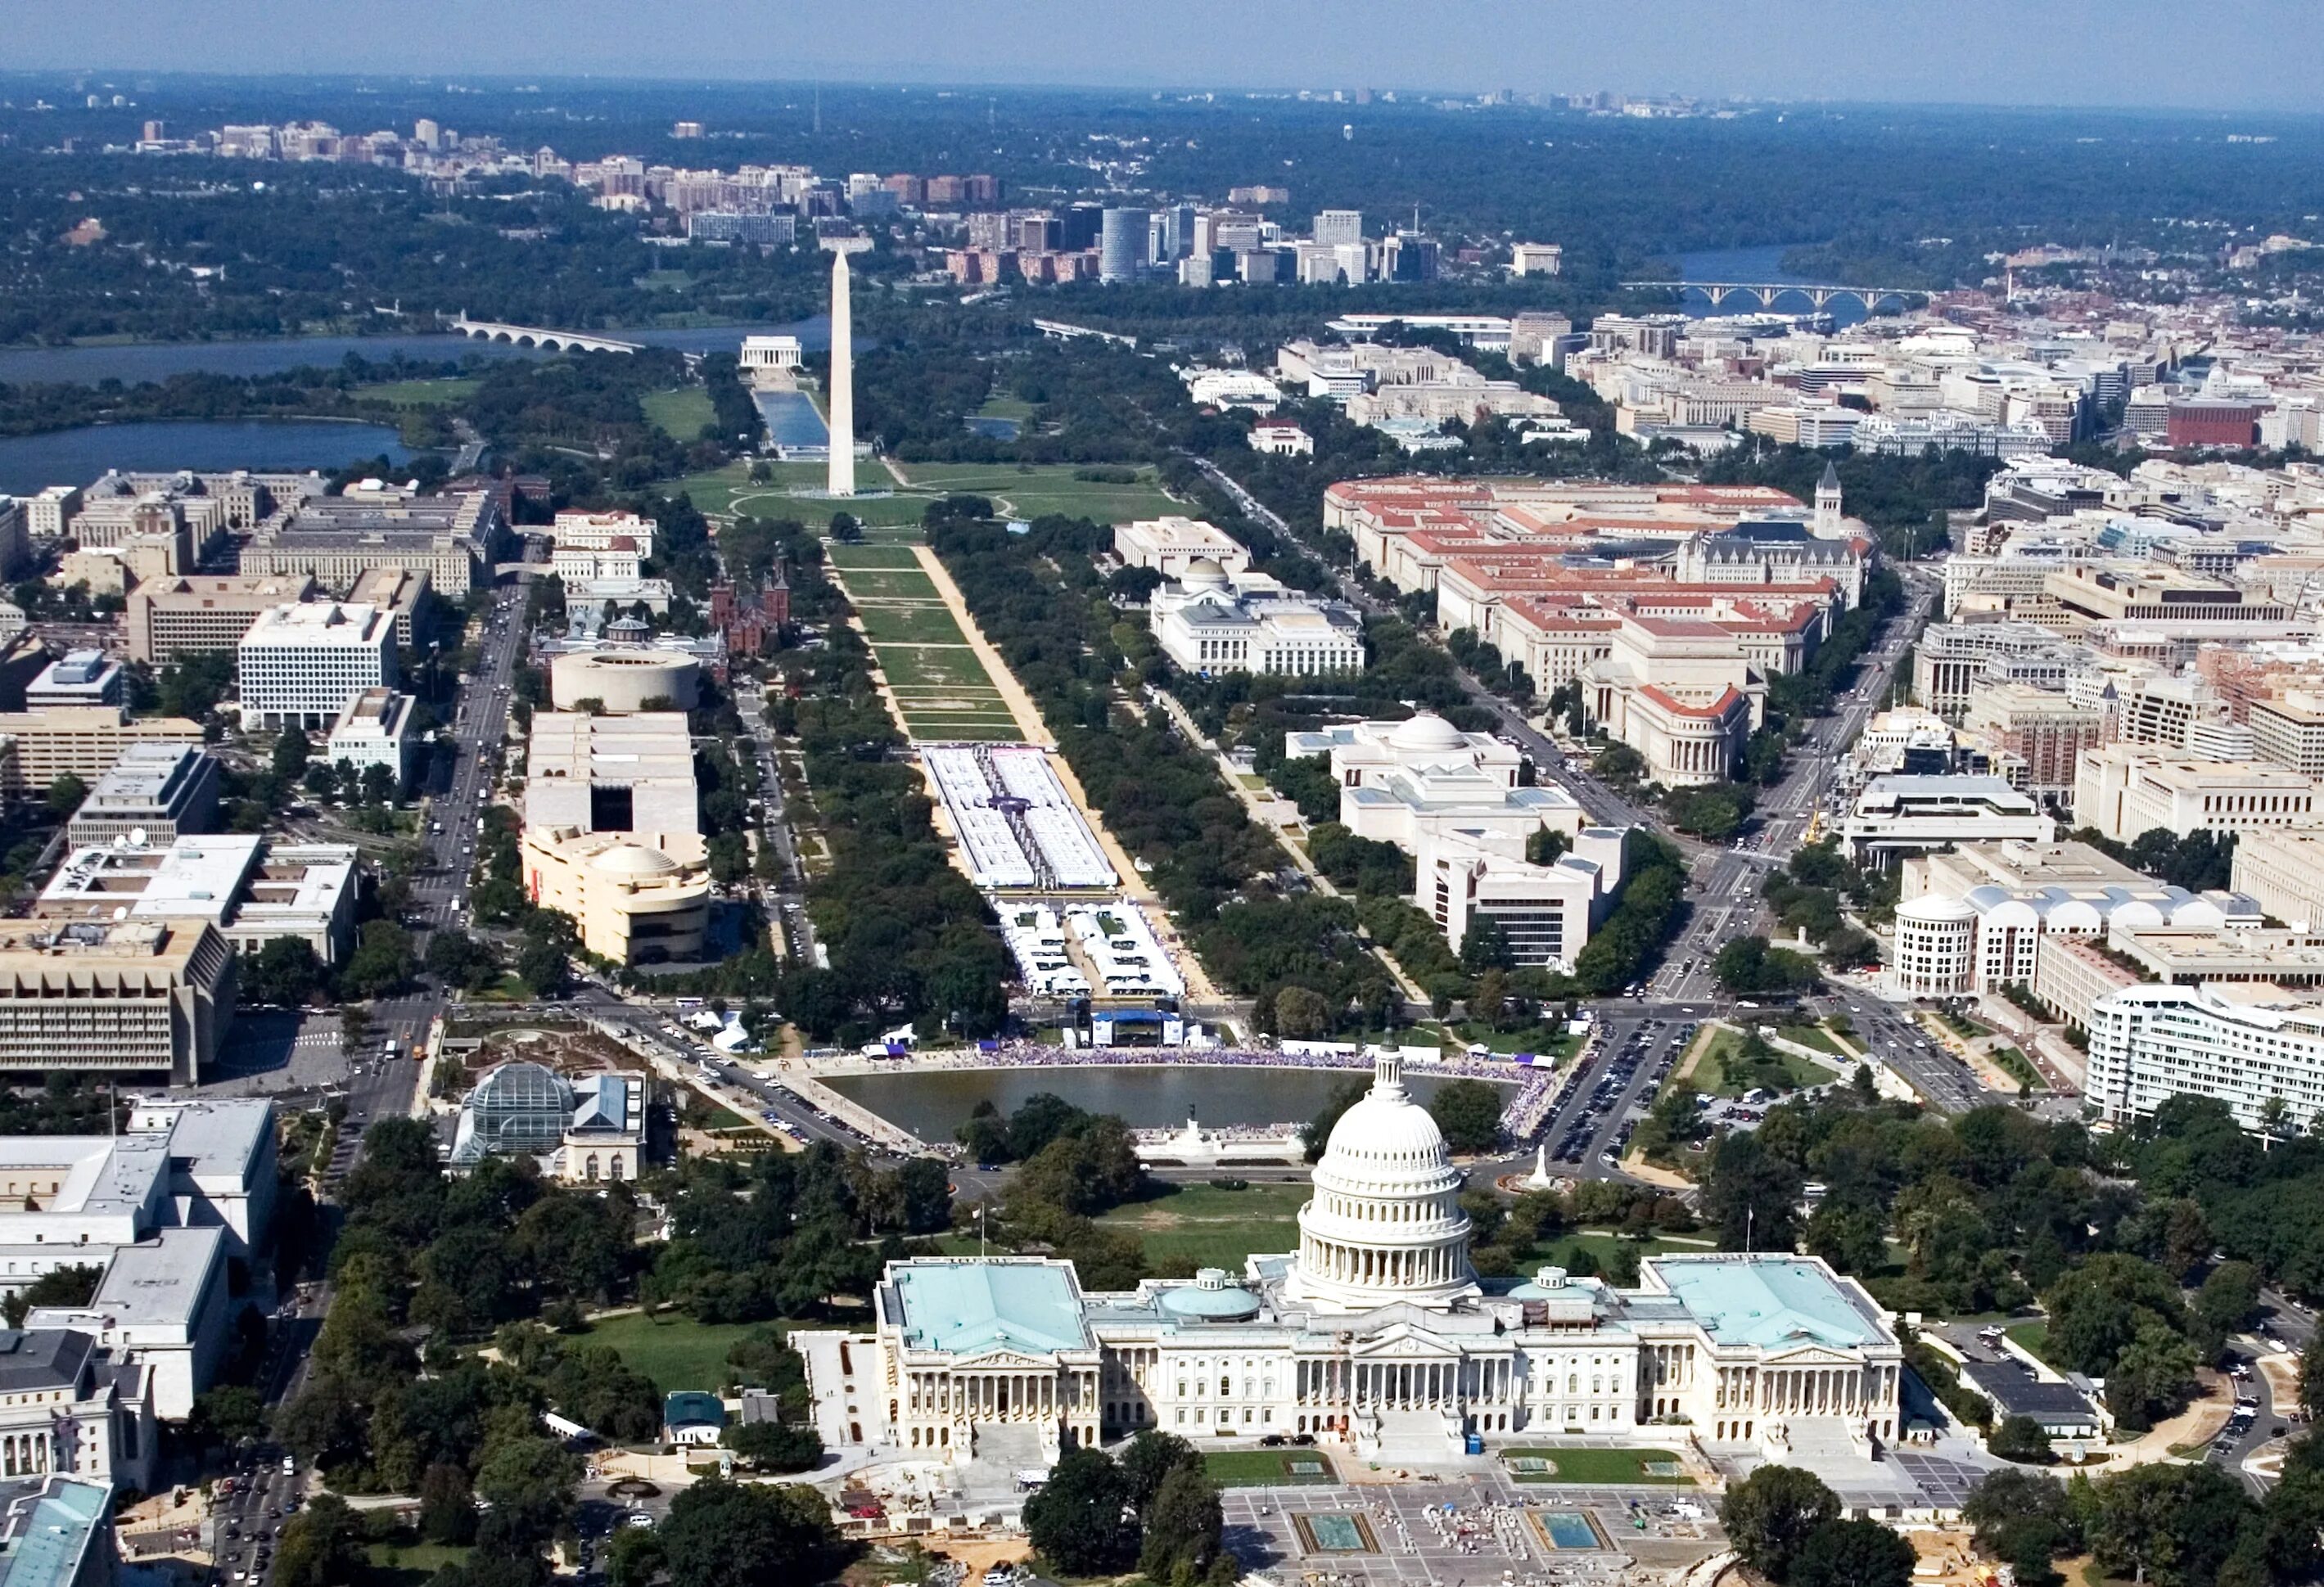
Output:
[[1171, 545], [1211, 621], [251, 889], [69, 1408], [1977, 918], [150, 997], [1679, 691], [2047, 732], [165, 1304], [1898, 816], [375, 730], [1121, 245], [299, 666], [1336, 227], [1536, 259], [1376, 1337], [200, 612], [612, 835], [57, 1531], [401, 593], [337, 538], [2123, 790], [48, 515], [2255, 1046], [2289, 730], [156, 792], [85, 741], [2283, 870], [81, 678], [1281, 440]]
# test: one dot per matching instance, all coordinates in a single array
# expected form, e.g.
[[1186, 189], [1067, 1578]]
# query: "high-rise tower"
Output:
[[843, 383]]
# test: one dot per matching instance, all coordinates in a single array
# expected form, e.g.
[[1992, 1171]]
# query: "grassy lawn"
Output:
[[680, 414], [1211, 1227], [675, 1351], [910, 625], [419, 394], [982, 730], [1268, 1468], [1620, 1468], [1813, 1035], [1005, 407], [1029, 491], [2014, 1063], [848, 559], [1540, 1040], [410, 1564], [953, 669], [1780, 1070], [882, 585], [2033, 1338]]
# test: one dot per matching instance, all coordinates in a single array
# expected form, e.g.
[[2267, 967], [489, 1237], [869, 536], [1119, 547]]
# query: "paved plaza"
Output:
[[1465, 1528]]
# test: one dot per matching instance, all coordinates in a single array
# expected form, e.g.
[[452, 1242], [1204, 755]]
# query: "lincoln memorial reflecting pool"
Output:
[[931, 1102]]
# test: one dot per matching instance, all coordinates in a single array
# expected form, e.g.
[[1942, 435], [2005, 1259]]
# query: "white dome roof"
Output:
[[1385, 1139], [1426, 731], [1205, 573], [632, 859], [1385, 1224], [1933, 909]]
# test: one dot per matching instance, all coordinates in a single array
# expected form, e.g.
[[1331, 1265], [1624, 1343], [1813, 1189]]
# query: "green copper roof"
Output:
[[1767, 1301], [969, 1308]]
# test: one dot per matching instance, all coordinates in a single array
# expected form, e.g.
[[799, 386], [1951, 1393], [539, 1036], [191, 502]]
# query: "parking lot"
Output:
[[1603, 1099]]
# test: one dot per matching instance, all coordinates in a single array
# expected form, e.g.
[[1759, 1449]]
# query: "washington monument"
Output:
[[843, 383]]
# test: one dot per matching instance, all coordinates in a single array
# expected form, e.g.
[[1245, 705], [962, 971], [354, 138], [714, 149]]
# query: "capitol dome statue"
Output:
[[1385, 1224]]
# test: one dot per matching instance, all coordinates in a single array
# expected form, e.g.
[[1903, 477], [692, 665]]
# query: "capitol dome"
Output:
[[1427, 732], [1385, 1224]]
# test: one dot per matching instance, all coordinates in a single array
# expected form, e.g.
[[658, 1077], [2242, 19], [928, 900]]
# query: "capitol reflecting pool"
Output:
[[931, 1103]]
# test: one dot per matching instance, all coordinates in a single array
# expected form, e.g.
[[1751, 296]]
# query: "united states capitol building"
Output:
[[1376, 1335]]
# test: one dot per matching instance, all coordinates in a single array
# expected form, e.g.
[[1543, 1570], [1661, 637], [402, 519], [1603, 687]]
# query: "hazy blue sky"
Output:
[[2224, 54]]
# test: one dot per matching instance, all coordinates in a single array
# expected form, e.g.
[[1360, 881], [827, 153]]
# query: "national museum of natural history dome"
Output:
[[1376, 1334]]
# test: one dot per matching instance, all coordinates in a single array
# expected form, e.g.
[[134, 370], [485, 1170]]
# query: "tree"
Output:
[[776, 1446], [2153, 1377], [285, 971], [1752, 1195], [634, 1557], [1301, 1013], [2020, 1439], [1181, 1526], [543, 967], [228, 1414], [1469, 1112], [2172, 1525], [1485, 945], [457, 959], [1150, 1457], [1076, 1520], [382, 963], [66, 793], [72, 1285], [1317, 1134], [1853, 1554], [320, 1546], [291, 754], [2020, 1515], [447, 1505], [528, 1481], [721, 1534], [1771, 1514], [2229, 1298]]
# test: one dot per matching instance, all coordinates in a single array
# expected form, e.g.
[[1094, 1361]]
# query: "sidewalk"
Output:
[[1253, 807]]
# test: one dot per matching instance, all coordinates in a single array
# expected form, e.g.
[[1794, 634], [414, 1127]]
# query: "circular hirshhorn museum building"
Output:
[[625, 681]]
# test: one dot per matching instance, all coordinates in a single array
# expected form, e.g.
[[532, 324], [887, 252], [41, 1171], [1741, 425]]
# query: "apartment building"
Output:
[[2046, 731], [2256, 1045]]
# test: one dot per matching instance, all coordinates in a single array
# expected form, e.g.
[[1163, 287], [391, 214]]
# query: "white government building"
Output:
[[1452, 802], [1375, 1334], [1212, 621]]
